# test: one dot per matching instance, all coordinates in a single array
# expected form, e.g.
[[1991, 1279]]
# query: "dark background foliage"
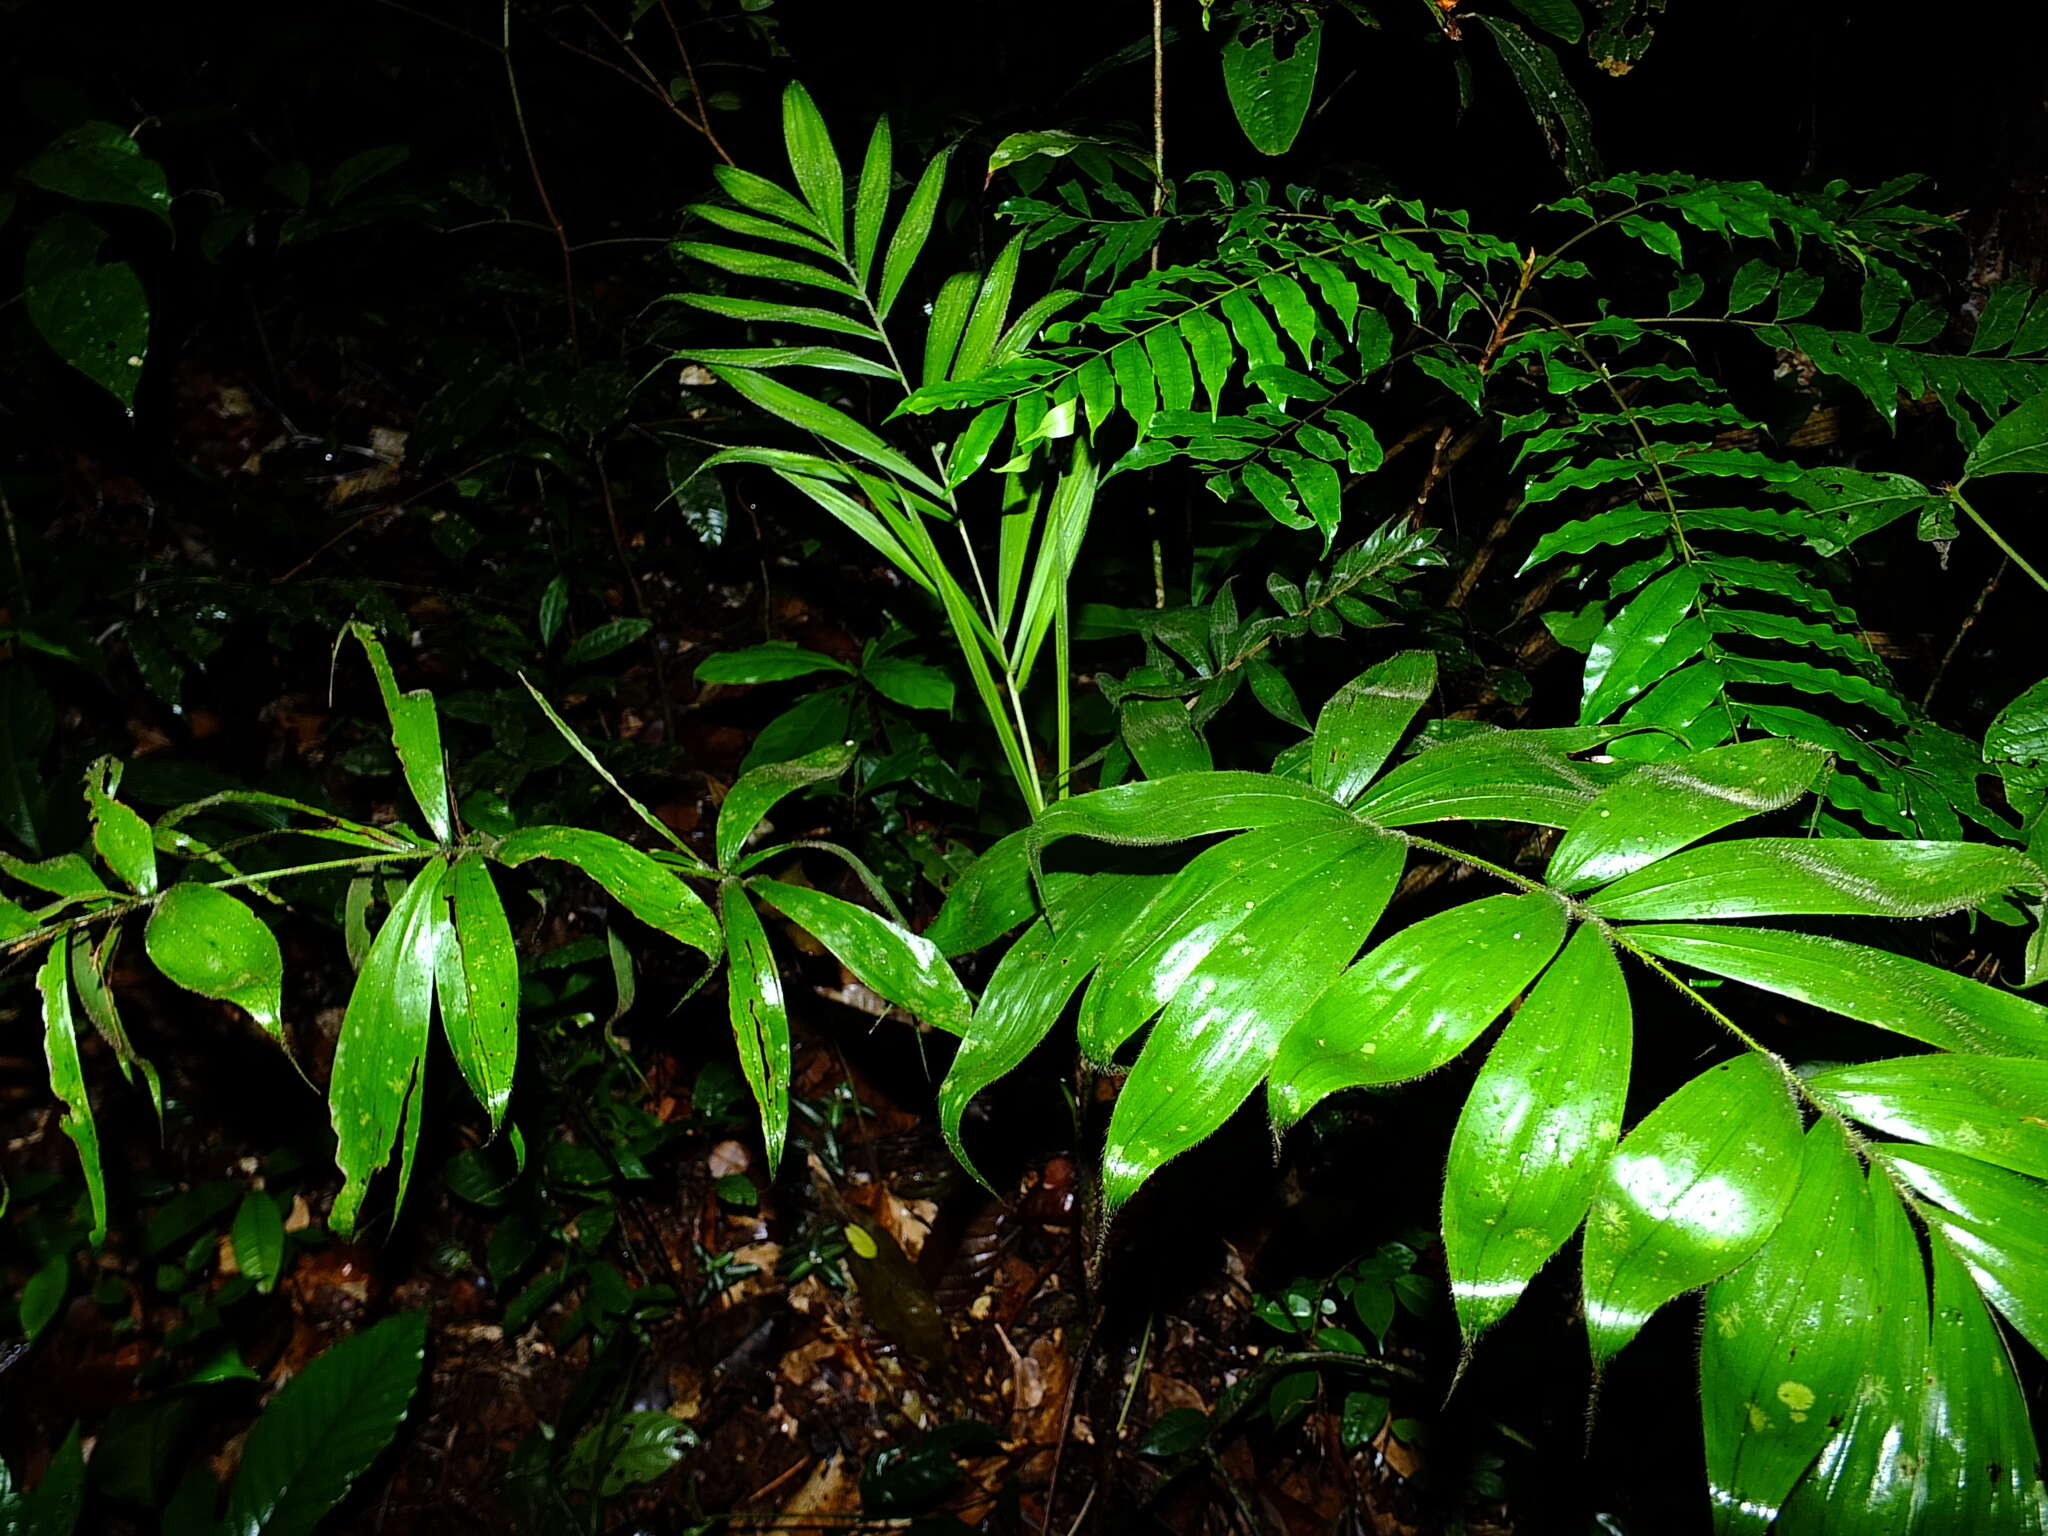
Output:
[[427, 399]]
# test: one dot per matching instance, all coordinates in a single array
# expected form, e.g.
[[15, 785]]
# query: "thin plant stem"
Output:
[[1063, 663], [1158, 116], [1956, 496], [1963, 630], [1137, 1375], [14, 548], [539, 182], [117, 909], [690, 72]]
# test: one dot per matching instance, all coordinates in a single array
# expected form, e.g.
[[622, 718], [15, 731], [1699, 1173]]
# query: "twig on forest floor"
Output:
[[1084, 1349]]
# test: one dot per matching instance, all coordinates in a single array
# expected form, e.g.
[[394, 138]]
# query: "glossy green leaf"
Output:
[[624, 1451], [899, 965], [1032, 982], [969, 452], [612, 636], [764, 311], [14, 920], [1830, 682], [59, 1499], [1890, 991], [258, 1238], [760, 1017], [581, 748], [1781, 876], [1066, 526], [322, 1431], [477, 982], [101, 163], [1187, 805], [1783, 1348], [756, 792], [1416, 1001], [171, 839], [1209, 345], [1997, 1224], [827, 422], [1364, 721], [993, 895], [832, 359], [764, 196], [1536, 1129], [1135, 384], [94, 315], [1662, 807], [871, 198], [2020, 733], [42, 1295], [554, 608], [383, 1043], [1171, 369], [1983, 1463], [2017, 443], [1271, 94], [646, 889], [1321, 491], [1633, 521], [991, 309], [775, 662], [1023, 331], [815, 723], [949, 314], [1988, 1107], [209, 942], [1162, 739], [1491, 775], [1560, 18], [1550, 97], [1251, 330], [89, 967], [1691, 1192], [67, 1077], [911, 232], [1648, 638], [1857, 502], [121, 838], [415, 736], [813, 160], [1201, 909], [738, 223], [1751, 285], [913, 684], [1871, 1475], [1216, 1039], [1297, 316], [67, 874], [1271, 688]]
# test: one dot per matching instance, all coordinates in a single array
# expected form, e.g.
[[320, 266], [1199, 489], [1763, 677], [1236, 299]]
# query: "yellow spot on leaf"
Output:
[[1797, 1396]]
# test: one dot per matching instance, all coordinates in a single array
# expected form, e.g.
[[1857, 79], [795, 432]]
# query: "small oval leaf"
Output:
[[210, 943]]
